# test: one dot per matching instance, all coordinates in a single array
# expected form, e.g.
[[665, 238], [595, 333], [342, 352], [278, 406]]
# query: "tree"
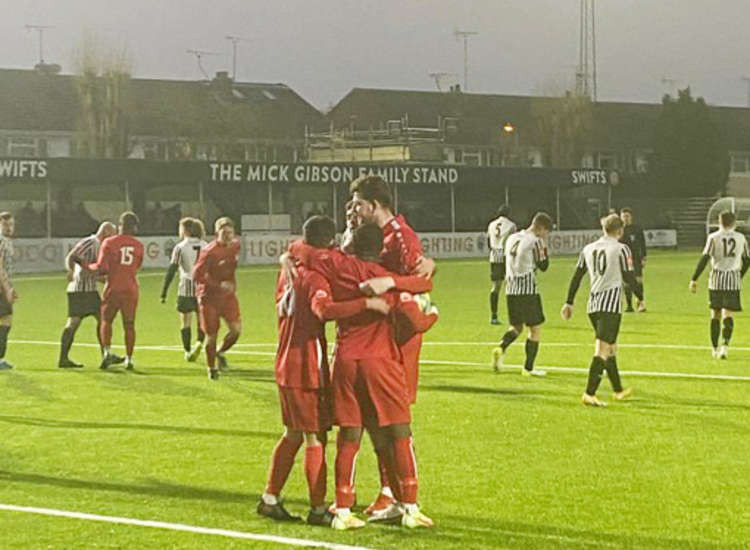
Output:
[[101, 84], [690, 157], [563, 126]]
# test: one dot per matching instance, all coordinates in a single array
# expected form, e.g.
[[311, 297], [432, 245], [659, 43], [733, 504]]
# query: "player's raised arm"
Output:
[[408, 311], [101, 264]]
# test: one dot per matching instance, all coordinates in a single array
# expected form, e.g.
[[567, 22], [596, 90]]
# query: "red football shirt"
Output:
[[216, 264], [402, 248], [302, 307], [120, 258]]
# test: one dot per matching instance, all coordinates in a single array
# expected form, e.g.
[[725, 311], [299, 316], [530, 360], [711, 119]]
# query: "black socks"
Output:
[[727, 332], [66, 340], [715, 330], [3, 340], [595, 375], [494, 296], [613, 373], [532, 348], [508, 338], [186, 335]]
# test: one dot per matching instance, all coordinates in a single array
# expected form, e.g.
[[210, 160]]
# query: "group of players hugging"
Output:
[[375, 284]]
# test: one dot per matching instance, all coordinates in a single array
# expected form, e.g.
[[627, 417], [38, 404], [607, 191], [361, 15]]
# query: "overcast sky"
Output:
[[323, 48]]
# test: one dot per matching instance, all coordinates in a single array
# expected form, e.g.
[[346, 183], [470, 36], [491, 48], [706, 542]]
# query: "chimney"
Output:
[[222, 83]]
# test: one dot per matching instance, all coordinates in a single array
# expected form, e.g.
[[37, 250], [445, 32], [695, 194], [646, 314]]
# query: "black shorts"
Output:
[[6, 308], [725, 299], [187, 304], [606, 325], [497, 271], [83, 304], [525, 310]]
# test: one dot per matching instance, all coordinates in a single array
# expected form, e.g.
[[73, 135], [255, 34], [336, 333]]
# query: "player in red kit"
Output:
[[401, 253], [369, 383], [120, 258], [214, 274], [303, 304]]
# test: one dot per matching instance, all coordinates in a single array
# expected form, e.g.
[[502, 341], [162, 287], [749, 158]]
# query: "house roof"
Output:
[[616, 125], [31, 100]]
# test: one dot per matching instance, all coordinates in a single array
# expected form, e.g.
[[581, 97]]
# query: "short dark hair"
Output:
[[373, 188], [367, 241], [128, 222], [504, 210], [727, 218], [626, 210], [542, 219], [319, 231]]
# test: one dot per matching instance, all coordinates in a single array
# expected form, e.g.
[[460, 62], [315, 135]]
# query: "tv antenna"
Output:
[[464, 35], [40, 31], [438, 78], [235, 40], [200, 54]]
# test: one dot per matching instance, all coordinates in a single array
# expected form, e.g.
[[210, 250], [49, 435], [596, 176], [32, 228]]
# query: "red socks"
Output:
[[282, 461], [315, 471], [406, 465], [346, 456]]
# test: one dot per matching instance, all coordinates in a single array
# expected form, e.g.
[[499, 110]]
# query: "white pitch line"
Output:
[[589, 344], [651, 374], [288, 541]]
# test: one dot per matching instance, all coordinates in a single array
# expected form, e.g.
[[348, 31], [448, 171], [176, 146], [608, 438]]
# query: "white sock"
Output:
[[128, 359], [107, 352], [386, 491], [411, 508], [270, 499], [343, 511]]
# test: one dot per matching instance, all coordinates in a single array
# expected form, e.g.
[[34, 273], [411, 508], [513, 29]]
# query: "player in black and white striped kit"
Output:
[[83, 295], [498, 232], [728, 251], [184, 256], [8, 293], [609, 264], [525, 252]]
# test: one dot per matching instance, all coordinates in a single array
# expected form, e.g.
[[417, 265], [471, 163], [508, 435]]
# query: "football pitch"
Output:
[[504, 461]]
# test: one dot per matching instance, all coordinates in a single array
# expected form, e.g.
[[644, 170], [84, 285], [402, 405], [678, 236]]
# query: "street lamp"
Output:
[[509, 131]]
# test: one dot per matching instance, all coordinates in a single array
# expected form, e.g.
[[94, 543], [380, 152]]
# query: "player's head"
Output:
[[186, 228], [224, 229], [372, 198], [627, 215], [199, 230], [367, 241], [106, 229], [504, 211], [727, 219], [352, 217], [7, 224], [128, 223], [541, 224], [319, 231], [613, 225]]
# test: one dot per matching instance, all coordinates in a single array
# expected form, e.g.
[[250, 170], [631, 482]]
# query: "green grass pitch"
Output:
[[504, 461]]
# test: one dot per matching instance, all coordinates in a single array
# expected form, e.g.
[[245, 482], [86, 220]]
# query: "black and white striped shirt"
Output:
[[523, 252], [498, 232], [605, 260], [6, 257], [85, 250], [726, 248], [184, 255]]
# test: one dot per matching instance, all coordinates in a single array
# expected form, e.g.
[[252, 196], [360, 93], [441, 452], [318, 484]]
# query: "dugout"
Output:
[[65, 197]]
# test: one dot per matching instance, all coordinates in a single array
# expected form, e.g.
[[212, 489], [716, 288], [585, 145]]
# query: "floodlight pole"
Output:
[[40, 31]]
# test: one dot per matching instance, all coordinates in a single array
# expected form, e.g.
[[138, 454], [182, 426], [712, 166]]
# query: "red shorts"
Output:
[[212, 308], [125, 301], [304, 410], [410, 356], [373, 388]]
